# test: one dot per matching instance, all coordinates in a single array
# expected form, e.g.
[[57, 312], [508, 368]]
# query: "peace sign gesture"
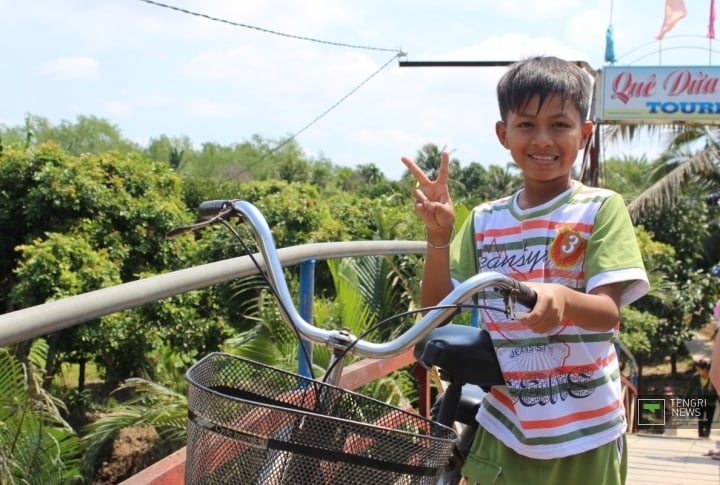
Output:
[[432, 200]]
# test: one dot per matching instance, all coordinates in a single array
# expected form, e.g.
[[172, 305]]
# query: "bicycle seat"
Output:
[[465, 353]]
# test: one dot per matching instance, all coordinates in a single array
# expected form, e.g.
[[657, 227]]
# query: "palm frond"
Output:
[[666, 191], [36, 444], [154, 405], [355, 312], [627, 133], [397, 389], [269, 341]]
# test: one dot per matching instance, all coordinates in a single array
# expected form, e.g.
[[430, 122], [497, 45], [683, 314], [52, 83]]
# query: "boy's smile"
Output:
[[544, 142]]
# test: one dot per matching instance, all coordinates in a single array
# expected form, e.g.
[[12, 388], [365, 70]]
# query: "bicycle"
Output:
[[251, 423]]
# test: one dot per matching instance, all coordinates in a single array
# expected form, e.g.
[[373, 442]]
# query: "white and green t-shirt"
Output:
[[563, 393]]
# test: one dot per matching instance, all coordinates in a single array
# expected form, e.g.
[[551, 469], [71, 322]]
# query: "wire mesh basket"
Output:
[[249, 423]]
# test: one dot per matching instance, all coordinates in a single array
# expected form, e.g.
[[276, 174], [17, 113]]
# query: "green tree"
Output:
[[428, 159], [627, 176], [170, 149], [88, 134], [59, 266], [689, 291], [683, 291], [216, 161], [500, 182], [89, 222]]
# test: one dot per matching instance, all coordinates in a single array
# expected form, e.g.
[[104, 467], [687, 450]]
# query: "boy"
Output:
[[560, 418]]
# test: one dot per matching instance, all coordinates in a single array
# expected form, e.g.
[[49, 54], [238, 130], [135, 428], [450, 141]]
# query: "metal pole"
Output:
[[307, 293]]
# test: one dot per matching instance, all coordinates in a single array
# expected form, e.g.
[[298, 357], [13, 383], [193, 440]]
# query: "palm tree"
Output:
[[501, 182], [681, 168], [365, 294], [175, 157], [670, 205], [688, 168], [428, 159]]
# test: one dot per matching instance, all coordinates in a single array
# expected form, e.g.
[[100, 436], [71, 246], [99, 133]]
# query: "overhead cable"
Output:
[[295, 135], [268, 31]]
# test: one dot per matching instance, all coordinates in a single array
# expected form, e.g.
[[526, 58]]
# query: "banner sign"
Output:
[[647, 94]]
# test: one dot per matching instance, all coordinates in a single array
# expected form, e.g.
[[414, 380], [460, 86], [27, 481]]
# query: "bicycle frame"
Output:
[[342, 342]]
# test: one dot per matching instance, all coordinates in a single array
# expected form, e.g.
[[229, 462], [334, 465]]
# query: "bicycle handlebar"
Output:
[[211, 208], [433, 318]]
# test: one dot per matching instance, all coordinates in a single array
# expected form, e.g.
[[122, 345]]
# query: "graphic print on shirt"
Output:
[[567, 248], [535, 366]]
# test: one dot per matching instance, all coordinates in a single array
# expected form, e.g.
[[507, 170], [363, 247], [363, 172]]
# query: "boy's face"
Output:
[[545, 143]]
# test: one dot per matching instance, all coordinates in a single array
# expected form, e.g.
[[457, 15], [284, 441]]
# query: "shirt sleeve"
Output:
[[463, 251], [613, 254]]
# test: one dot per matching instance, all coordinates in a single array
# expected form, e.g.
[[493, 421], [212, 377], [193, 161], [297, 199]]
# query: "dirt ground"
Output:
[[133, 450]]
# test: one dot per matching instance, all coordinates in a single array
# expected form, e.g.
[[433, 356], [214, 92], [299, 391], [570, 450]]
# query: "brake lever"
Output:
[[510, 301], [220, 216]]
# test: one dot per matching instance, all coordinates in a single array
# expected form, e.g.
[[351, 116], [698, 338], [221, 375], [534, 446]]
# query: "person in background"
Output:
[[714, 373], [701, 387]]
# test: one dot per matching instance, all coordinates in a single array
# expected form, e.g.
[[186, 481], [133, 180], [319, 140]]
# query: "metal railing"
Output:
[[39, 320]]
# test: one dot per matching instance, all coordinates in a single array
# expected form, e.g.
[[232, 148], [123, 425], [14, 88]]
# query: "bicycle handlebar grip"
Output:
[[526, 295], [211, 208]]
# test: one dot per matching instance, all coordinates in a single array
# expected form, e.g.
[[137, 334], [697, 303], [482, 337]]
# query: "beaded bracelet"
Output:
[[442, 246]]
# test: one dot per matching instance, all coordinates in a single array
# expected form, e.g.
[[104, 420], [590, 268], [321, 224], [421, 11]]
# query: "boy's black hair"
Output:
[[543, 77]]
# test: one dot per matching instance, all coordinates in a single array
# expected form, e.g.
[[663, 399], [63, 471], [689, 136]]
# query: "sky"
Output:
[[151, 70]]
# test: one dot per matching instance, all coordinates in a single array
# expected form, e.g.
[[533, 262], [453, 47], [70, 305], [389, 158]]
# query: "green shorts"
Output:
[[491, 462]]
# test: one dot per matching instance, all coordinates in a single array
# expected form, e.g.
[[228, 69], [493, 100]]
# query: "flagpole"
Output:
[[711, 30]]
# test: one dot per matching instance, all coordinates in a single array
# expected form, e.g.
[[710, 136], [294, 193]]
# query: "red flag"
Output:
[[674, 12], [711, 21]]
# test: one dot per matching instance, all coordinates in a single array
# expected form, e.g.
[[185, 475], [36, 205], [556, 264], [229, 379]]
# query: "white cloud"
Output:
[[207, 108], [389, 136], [237, 65], [516, 46], [536, 11], [154, 100], [118, 108], [72, 68]]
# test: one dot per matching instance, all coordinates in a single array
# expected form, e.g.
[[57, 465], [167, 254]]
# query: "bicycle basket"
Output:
[[249, 423]]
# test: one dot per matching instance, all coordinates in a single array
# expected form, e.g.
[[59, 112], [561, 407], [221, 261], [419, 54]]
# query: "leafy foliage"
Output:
[[688, 291], [90, 222], [88, 134], [674, 244], [36, 444], [152, 404]]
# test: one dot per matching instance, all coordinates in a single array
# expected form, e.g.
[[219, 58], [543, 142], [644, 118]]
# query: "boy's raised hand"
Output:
[[432, 199]]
